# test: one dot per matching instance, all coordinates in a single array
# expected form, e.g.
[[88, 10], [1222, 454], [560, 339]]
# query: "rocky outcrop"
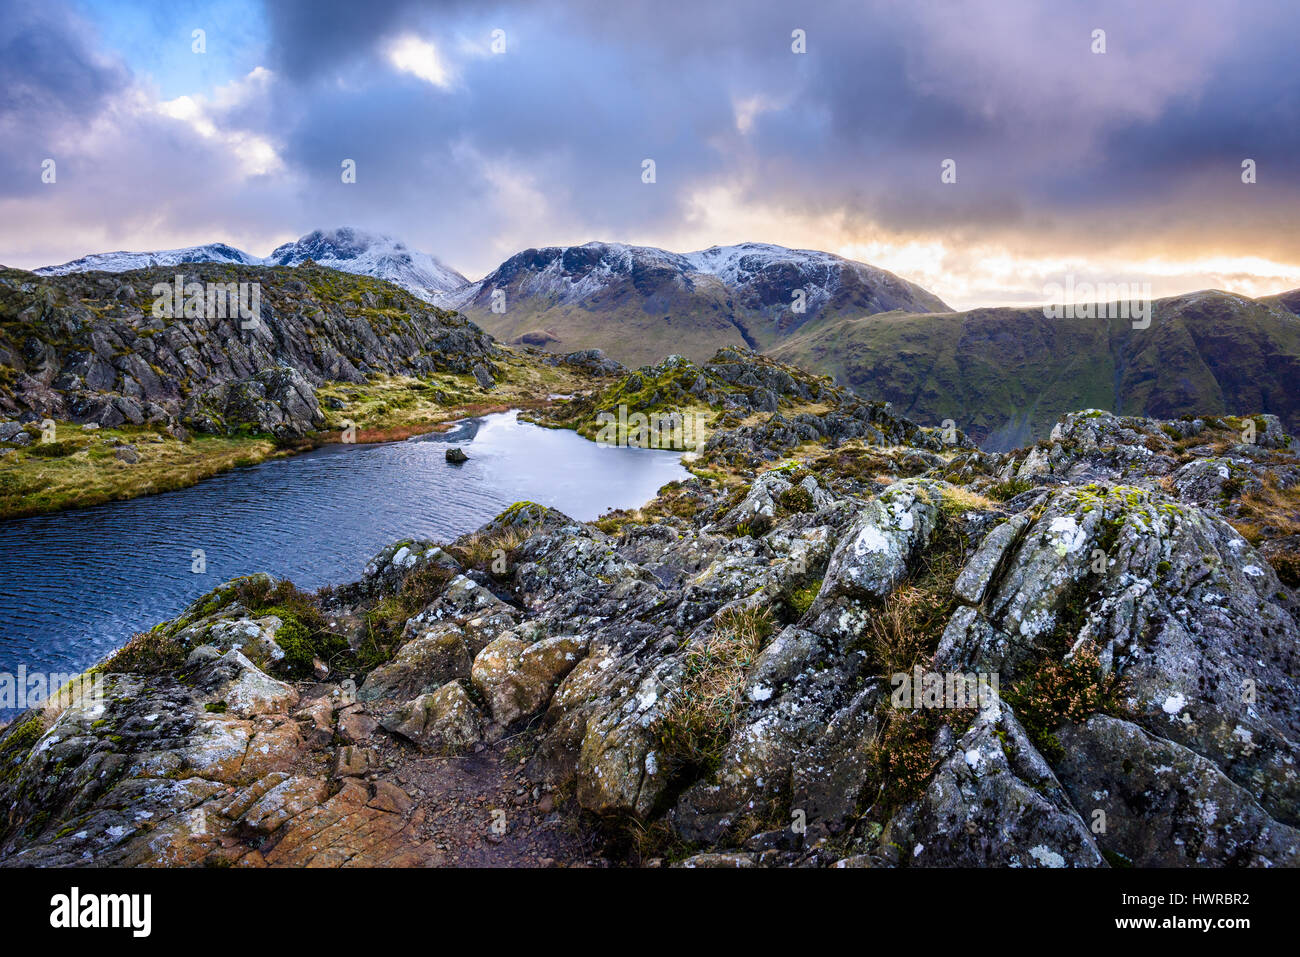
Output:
[[844, 652], [88, 347]]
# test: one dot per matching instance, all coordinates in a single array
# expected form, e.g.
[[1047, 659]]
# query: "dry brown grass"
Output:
[[483, 549], [1268, 512], [893, 640], [703, 712], [906, 628], [957, 500]]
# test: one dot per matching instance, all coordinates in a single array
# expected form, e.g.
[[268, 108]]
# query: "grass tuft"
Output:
[[704, 710]]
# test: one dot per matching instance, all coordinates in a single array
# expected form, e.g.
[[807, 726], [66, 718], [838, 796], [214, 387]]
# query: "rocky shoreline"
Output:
[[709, 680], [101, 400]]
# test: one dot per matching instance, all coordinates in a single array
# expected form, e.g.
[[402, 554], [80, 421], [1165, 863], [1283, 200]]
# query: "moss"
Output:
[[23, 736], [215, 707], [54, 450], [304, 637], [1009, 489], [801, 600], [148, 652], [795, 499]]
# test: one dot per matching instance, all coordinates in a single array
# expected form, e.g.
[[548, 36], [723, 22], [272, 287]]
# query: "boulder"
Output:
[[444, 722], [517, 679]]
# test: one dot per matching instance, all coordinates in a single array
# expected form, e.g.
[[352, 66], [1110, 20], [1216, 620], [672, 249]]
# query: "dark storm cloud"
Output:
[[50, 81], [1040, 127], [47, 68], [316, 37], [1055, 146]]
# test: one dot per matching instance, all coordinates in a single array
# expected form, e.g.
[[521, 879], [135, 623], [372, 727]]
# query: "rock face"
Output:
[[866, 646], [89, 348]]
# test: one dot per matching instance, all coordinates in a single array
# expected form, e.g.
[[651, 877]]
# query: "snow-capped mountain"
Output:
[[346, 249], [638, 303], [370, 254], [122, 261], [626, 299], [763, 275]]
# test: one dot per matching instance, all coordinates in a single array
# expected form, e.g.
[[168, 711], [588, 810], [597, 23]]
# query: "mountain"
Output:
[[640, 303], [123, 261], [345, 249], [369, 254], [1005, 375]]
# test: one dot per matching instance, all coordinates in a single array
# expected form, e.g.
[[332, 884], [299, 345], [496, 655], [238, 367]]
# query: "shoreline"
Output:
[[236, 452]]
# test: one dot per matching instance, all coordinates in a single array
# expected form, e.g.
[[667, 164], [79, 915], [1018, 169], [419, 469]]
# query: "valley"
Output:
[[1003, 375]]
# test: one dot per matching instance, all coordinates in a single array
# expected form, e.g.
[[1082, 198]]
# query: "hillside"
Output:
[[638, 304], [1005, 375], [138, 403]]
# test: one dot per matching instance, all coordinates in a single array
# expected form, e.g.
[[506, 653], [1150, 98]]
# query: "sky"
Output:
[[479, 129]]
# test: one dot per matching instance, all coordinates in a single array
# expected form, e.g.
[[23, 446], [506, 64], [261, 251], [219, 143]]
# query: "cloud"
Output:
[[1065, 158], [420, 58]]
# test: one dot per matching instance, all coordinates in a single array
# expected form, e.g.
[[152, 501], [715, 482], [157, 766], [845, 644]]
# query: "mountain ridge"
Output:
[[752, 294], [1004, 374], [344, 248]]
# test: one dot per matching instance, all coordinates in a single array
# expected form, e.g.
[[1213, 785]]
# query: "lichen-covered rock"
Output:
[[993, 801], [437, 653], [517, 679], [1158, 804], [885, 538], [1177, 604], [445, 721]]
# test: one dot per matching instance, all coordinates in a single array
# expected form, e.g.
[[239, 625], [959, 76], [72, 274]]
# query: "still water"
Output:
[[76, 585]]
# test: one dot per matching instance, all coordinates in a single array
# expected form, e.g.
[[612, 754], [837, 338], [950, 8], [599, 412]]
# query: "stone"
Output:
[[517, 679], [1163, 805], [352, 761], [355, 726], [437, 653], [445, 721], [483, 377]]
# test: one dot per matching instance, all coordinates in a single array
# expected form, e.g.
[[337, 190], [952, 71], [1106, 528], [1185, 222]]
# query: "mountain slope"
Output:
[[640, 303], [1005, 375], [87, 348], [369, 254], [345, 249], [123, 261]]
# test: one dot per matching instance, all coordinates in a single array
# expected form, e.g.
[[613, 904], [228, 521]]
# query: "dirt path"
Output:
[[480, 810]]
